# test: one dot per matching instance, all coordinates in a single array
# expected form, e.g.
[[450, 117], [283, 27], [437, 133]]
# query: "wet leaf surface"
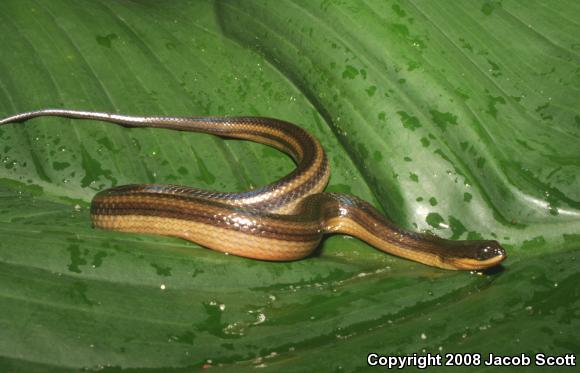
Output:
[[459, 119]]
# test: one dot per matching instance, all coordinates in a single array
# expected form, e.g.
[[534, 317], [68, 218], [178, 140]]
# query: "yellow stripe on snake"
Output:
[[285, 220]]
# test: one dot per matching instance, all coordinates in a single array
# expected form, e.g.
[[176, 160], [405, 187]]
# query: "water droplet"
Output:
[[260, 318]]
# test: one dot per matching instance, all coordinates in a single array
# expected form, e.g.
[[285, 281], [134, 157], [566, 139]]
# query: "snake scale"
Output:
[[282, 221]]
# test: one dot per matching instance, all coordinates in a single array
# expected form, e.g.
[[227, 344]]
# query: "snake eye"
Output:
[[489, 250]]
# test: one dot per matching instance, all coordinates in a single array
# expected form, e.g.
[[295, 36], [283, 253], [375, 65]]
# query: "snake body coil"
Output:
[[284, 220]]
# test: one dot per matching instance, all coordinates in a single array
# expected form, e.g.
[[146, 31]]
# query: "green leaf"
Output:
[[454, 117]]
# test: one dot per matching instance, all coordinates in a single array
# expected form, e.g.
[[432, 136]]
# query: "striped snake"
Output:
[[282, 221]]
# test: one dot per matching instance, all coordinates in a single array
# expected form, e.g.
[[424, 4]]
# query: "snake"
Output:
[[282, 221]]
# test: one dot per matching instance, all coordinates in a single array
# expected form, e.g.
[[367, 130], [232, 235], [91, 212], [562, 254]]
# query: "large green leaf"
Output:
[[457, 117]]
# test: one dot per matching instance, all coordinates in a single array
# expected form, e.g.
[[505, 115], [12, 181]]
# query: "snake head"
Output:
[[491, 250], [477, 255]]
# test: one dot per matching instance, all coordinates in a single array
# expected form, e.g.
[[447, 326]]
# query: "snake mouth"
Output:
[[474, 265]]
